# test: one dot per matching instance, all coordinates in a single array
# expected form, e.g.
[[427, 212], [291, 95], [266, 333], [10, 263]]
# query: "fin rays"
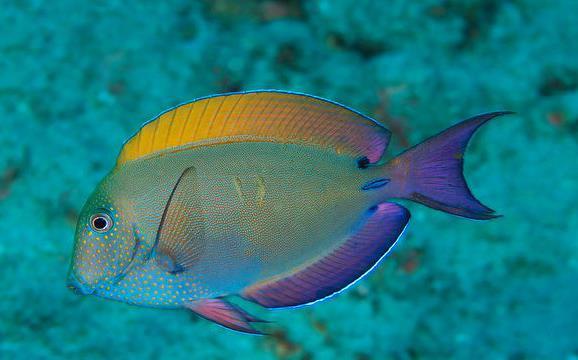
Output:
[[260, 116]]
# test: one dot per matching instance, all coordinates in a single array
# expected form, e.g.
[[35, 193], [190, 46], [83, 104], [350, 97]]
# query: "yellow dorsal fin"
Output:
[[259, 116]]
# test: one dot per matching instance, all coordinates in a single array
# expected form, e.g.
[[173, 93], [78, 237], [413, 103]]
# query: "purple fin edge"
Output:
[[327, 276]]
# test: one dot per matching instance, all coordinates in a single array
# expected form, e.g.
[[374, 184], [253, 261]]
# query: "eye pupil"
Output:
[[100, 223]]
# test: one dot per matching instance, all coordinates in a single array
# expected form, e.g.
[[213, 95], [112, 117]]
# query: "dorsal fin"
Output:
[[273, 116]]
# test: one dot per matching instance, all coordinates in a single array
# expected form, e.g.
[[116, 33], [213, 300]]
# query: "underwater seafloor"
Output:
[[78, 78]]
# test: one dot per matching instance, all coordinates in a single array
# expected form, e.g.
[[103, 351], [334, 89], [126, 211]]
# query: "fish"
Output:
[[276, 198]]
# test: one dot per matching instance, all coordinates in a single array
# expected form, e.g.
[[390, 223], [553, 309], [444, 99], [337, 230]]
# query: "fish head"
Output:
[[106, 244]]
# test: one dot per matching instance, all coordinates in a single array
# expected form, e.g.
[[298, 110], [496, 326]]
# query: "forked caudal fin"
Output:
[[431, 173]]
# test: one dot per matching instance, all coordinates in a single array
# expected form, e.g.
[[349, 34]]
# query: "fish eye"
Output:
[[101, 222]]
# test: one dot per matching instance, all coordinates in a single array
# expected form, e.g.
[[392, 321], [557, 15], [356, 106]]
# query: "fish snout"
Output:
[[78, 286]]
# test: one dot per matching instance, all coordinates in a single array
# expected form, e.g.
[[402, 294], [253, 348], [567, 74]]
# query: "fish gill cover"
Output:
[[77, 80]]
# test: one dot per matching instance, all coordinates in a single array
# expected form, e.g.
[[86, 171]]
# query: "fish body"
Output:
[[281, 198], [247, 192]]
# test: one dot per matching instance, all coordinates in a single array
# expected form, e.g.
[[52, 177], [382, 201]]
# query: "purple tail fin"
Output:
[[431, 173]]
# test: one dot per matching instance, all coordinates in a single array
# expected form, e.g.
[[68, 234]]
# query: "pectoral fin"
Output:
[[181, 234], [226, 314]]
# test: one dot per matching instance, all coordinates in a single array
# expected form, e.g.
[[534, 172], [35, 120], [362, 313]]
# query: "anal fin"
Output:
[[339, 268], [225, 314]]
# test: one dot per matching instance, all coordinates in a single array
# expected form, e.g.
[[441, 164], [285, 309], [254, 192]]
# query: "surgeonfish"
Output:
[[280, 198]]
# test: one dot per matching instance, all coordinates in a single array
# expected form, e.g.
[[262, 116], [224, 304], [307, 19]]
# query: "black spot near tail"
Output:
[[363, 162]]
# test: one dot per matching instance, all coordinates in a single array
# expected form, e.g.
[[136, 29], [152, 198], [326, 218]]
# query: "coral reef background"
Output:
[[78, 78]]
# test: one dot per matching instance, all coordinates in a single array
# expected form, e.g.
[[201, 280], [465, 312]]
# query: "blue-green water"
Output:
[[78, 78]]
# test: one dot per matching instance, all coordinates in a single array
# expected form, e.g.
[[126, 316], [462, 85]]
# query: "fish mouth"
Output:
[[78, 287]]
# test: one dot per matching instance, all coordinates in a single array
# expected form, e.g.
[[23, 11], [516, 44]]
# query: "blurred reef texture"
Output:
[[78, 78]]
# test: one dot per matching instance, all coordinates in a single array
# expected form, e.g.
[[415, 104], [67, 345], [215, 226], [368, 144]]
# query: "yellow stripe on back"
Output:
[[272, 116]]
